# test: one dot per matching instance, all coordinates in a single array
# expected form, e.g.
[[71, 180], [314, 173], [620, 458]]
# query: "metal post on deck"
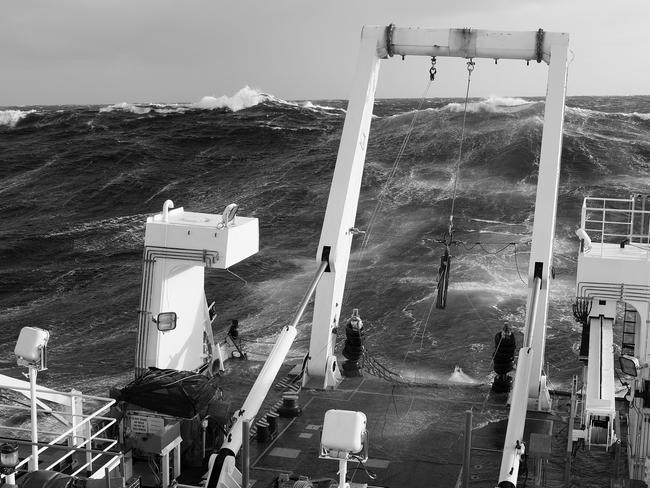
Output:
[[468, 447], [245, 459], [33, 464], [569, 441]]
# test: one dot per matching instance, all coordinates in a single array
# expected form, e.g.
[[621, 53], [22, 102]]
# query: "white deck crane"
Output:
[[334, 248]]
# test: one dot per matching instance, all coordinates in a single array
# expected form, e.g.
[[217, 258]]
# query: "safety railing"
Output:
[[619, 221], [87, 418]]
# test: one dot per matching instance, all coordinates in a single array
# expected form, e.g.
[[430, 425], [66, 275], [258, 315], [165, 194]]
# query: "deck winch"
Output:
[[353, 349], [503, 359]]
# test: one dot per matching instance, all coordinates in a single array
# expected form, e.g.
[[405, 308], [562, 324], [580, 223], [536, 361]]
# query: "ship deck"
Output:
[[416, 435]]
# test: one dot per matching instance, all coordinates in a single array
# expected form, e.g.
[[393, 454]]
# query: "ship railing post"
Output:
[[569, 441], [602, 230], [343, 472], [33, 465], [631, 224], [89, 448]]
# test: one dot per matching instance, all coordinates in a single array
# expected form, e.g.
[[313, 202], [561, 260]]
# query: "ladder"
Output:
[[629, 328]]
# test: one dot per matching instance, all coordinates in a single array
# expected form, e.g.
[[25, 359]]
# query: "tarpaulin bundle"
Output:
[[177, 393]]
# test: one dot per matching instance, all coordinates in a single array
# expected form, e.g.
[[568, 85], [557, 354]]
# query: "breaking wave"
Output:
[[127, 107], [12, 117], [490, 104], [245, 98]]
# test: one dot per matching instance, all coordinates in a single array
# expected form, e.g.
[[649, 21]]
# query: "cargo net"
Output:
[[374, 367], [359, 358]]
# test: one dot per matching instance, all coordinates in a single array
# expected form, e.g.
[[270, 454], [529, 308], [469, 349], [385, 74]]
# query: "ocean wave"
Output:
[[247, 97], [324, 108], [490, 104], [127, 107], [586, 113], [113, 224], [12, 117], [145, 108], [641, 116]]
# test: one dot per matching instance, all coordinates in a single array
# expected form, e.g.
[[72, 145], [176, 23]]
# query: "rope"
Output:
[[384, 191], [398, 158], [470, 68], [448, 239]]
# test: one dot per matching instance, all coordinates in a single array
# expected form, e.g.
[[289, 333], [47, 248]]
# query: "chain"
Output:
[[539, 47], [389, 40], [470, 68], [433, 70]]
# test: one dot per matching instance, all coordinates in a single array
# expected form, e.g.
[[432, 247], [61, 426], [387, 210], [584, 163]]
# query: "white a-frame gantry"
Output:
[[379, 43]]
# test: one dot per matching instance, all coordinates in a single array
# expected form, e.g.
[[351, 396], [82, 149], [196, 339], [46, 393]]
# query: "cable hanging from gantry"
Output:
[[400, 153], [370, 230], [448, 238]]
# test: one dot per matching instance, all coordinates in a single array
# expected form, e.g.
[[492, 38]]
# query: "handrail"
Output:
[[615, 220], [93, 437], [73, 431]]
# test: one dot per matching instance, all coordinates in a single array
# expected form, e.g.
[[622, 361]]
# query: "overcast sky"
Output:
[[110, 51]]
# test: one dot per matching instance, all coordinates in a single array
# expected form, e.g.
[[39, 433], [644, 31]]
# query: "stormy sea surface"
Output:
[[77, 183]]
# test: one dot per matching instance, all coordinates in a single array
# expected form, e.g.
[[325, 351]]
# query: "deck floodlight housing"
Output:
[[31, 348], [8, 462], [8, 457], [344, 433], [344, 436], [629, 365], [166, 321]]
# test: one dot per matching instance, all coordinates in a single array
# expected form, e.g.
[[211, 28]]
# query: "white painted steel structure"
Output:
[[600, 411], [336, 237], [178, 246], [617, 269]]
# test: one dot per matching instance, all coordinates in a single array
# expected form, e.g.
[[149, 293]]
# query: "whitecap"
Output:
[[12, 117], [641, 116], [127, 107], [459, 376], [245, 98], [316, 107], [491, 104]]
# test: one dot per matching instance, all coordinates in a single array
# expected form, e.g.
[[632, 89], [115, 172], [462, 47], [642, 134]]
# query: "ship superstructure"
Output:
[[613, 282]]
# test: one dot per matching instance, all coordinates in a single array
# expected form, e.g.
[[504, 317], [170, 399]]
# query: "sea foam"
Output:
[[12, 117], [245, 98], [490, 104], [641, 116], [127, 107]]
